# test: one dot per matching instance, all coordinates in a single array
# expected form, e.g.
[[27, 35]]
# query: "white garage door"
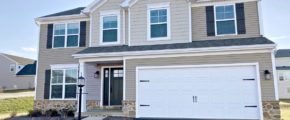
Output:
[[198, 92]]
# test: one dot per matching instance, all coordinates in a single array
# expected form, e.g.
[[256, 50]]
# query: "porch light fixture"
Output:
[[267, 74], [81, 84], [97, 74]]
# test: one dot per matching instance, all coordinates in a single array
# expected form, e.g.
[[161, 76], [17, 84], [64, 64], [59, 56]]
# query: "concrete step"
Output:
[[103, 113]]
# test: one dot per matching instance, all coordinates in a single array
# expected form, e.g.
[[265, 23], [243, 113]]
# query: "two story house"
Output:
[[283, 69], [202, 59]]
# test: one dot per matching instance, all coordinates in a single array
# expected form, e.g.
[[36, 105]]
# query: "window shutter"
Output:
[[210, 23], [241, 18], [83, 32], [47, 84], [49, 36]]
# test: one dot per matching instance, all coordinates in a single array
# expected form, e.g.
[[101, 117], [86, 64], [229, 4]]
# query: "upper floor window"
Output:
[[158, 22], [63, 84], [225, 19], [110, 28], [12, 67], [66, 35]]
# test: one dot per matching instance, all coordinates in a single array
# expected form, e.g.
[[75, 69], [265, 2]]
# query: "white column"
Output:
[[84, 95]]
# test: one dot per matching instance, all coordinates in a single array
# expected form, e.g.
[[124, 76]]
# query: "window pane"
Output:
[[281, 76], [159, 30], [71, 76], [58, 41], [163, 12], [70, 91], [154, 19], [226, 27], [72, 40], [57, 76], [73, 28], [158, 16], [225, 12], [110, 22], [163, 19], [59, 29], [110, 35], [154, 13], [56, 91]]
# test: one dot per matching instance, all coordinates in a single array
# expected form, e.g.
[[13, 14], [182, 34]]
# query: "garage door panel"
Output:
[[208, 92]]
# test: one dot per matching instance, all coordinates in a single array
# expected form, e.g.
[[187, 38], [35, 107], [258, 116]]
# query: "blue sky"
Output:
[[19, 33]]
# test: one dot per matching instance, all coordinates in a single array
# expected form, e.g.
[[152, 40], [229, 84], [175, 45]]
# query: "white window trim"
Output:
[[235, 19], [106, 14], [157, 7], [63, 83], [66, 34]]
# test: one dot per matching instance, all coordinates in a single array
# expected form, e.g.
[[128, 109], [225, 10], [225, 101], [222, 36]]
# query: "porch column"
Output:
[[84, 93]]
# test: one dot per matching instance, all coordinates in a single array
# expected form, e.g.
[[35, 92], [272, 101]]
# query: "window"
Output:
[[225, 19], [64, 84], [66, 35], [12, 67], [158, 18], [110, 27], [118, 73], [281, 77]]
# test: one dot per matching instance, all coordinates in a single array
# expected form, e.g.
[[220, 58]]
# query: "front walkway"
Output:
[[16, 95]]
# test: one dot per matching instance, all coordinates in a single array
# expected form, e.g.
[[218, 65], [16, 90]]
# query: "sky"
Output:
[[19, 33]]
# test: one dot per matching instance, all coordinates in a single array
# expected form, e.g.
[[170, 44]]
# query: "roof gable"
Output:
[[29, 69], [19, 60], [75, 11]]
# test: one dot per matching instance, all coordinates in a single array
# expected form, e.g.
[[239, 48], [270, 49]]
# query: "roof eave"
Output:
[[43, 20]]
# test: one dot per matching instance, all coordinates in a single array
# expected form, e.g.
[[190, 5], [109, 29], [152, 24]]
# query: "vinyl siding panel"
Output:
[[264, 59], [93, 84], [9, 80], [285, 61], [47, 57], [179, 11], [108, 6], [199, 31]]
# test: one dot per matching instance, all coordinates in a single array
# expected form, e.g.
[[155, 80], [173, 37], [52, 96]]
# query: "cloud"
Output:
[[27, 49]]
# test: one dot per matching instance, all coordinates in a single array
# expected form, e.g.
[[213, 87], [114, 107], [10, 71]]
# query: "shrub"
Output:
[[34, 113], [71, 113], [52, 113]]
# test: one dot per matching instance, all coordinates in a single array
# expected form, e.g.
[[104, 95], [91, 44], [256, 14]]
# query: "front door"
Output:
[[113, 86]]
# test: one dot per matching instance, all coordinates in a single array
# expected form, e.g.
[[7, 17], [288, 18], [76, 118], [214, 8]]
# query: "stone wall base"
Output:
[[128, 108], [271, 110], [93, 104], [45, 105]]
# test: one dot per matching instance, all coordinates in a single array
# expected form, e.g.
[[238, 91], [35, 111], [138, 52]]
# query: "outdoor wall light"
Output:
[[97, 74], [267, 74]]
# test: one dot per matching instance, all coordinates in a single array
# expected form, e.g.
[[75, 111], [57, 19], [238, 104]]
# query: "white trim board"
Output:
[[68, 18], [200, 66], [176, 51]]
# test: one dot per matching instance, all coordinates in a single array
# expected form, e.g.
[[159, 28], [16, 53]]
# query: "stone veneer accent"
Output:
[[128, 108], [93, 104], [271, 110], [45, 105]]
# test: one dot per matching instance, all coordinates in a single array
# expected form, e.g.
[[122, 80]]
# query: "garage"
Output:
[[199, 92]]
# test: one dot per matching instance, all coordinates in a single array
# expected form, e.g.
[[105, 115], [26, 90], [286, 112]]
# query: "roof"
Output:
[[283, 68], [283, 53], [20, 60], [75, 11], [194, 44], [29, 69]]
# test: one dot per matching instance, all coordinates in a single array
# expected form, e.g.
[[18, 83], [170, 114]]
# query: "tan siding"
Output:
[[264, 60], [48, 57], [9, 80], [93, 84], [199, 31], [108, 6], [179, 22]]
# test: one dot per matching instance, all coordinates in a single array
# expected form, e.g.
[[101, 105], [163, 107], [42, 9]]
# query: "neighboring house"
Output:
[[16, 72], [283, 70], [200, 59]]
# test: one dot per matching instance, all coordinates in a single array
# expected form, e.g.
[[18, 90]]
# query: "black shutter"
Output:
[[47, 84], [210, 23], [241, 18], [83, 31], [49, 36]]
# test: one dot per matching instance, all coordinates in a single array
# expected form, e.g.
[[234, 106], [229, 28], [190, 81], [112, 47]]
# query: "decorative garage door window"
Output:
[[63, 84]]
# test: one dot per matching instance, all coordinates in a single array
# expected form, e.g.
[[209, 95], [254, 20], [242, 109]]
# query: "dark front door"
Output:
[[113, 86]]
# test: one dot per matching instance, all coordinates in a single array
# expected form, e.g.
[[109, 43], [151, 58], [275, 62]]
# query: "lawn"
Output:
[[17, 91], [285, 110], [18, 105]]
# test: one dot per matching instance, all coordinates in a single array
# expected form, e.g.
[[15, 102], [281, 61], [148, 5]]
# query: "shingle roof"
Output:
[[283, 68], [74, 11], [29, 69], [20, 60], [283, 53], [194, 44]]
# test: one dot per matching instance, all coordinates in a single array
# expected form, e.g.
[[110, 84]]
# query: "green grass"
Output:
[[18, 105], [17, 91]]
